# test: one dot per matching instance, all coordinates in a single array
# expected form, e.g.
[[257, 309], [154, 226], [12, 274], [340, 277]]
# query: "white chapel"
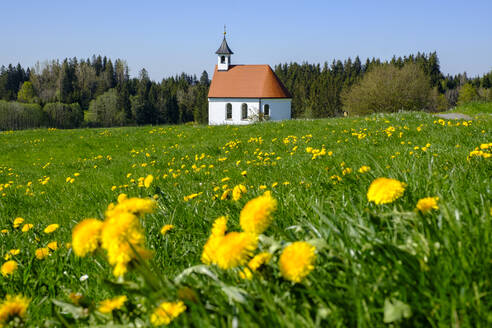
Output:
[[240, 94]]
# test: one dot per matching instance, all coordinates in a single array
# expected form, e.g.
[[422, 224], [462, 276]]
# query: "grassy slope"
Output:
[[474, 108], [438, 264]]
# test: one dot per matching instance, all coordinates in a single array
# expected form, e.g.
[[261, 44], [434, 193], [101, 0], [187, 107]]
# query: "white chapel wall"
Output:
[[217, 110], [280, 108]]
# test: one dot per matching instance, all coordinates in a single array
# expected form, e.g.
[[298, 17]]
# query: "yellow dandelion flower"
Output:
[[122, 197], [134, 205], [18, 222], [42, 253], [235, 249], [256, 215], [15, 251], [51, 228], [220, 226], [364, 169], [346, 171], [297, 261], [148, 180], [425, 205], [256, 262], [166, 228], [13, 307], [5, 231], [167, 312], [218, 231], [385, 190], [225, 194], [238, 191], [121, 236], [244, 173], [115, 303], [246, 274], [26, 227], [190, 197], [86, 236], [8, 268], [53, 245]]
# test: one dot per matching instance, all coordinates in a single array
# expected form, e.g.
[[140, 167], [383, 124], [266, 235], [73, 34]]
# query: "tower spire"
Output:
[[224, 54], [224, 47]]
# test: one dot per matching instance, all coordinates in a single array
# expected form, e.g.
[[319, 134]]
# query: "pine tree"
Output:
[[204, 80], [65, 88]]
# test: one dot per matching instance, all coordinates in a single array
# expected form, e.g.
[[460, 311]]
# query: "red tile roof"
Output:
[[247, 81]]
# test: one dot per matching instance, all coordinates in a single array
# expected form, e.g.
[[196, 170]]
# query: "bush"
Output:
[[16, 116], [64, 116], [485, 94], [26, 93], [387, 88], [467, 94], [437, 101], [104, 110]]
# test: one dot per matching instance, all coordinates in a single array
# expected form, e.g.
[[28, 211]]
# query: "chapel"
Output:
[[242, 94]]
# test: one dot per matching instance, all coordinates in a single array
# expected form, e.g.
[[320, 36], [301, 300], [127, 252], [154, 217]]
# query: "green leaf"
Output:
[[77, 312], [395, 310], [236, 294], [318, 243], [201, 269]]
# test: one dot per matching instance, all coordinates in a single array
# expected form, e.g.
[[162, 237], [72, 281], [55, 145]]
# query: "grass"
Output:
[[474, 108], [373, 261]]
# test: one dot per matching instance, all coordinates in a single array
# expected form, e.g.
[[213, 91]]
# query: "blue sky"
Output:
[[169, 37]]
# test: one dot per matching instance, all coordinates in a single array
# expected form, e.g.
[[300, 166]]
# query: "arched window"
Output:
[[222, 59], [244, 111], [266, 110], [228, 111]]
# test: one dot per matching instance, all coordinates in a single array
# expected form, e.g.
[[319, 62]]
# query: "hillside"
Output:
[[374, 263]]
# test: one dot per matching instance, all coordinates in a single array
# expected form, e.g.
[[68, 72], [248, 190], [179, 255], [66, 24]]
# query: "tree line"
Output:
[[323, 90], [97, 92]]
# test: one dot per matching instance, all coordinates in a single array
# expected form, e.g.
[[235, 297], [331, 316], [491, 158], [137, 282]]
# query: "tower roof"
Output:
[[224, 48], [247, 81]]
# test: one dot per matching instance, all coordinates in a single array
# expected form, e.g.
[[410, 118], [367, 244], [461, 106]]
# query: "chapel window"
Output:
[[229, 111], [244, 111]]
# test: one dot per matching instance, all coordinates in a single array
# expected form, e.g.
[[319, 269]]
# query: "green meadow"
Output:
[[376, 265]]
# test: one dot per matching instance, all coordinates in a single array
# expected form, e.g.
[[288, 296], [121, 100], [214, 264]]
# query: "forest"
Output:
[[97, 92]]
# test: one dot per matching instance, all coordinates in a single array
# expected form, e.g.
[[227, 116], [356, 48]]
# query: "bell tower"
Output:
[[224, 55]]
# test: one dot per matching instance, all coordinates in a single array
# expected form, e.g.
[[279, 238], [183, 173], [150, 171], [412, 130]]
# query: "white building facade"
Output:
[[247, 110], [243, 94]]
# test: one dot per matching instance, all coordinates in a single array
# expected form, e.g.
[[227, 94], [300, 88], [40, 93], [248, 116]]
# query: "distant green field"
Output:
[[374, 263], [474, 108]]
